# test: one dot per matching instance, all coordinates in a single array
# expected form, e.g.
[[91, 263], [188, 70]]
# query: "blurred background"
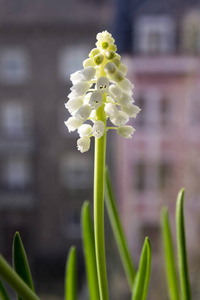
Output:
[[44, 179]]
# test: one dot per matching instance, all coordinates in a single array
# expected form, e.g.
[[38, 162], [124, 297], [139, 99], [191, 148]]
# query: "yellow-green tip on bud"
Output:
[[104, 45], [110, 54], [113, 47], [94, 52], [98, 59]]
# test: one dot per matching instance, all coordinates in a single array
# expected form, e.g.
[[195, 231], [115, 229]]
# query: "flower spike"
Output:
[[101, 84]]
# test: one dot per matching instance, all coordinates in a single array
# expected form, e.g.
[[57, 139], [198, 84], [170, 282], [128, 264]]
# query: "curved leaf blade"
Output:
[[3, 292], [170, 267], [118, 231], [181, 245], [15, 281], [89, 251], [141, 283], [71, 275], [20, 262]]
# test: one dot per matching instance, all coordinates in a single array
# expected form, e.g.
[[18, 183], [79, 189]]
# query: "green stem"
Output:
[[99, 171]]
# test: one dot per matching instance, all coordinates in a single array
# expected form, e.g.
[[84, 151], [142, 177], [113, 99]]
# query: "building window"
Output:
[[76, 172], [16, 173], [14, 119], [71, 59], [151, 176], [155, 35], [165, 115], [191, 32], [164, 172], [14, 66], [140, 176]]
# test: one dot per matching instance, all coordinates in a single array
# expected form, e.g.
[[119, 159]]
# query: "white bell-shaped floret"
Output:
[[126, 85], [98, 129], [96, 99], [110, 99], [88, 73], [83, 144], [111, 110], [85, 130], [83, 112], [88, 63], [115, 91], [93, 115], [126, 131], [117, 76], [73, 104], [131, 110], [76, 77], [80, 88], [110, 68], [72, 123], [102, 84], [123, 68], [125, 99], [120, 119]]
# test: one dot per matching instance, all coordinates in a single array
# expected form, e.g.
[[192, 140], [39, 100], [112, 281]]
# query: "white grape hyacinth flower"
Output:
[[101, 93]]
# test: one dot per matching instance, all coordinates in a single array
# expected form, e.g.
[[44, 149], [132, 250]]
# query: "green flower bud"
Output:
[[104, 45], [113, 47], [98, 59], [116, 61], [110, 54], [94, 52], [118, 76], [110, 68]]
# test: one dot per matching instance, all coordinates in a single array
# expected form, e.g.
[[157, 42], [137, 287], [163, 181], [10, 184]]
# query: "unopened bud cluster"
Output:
[[100, 84]]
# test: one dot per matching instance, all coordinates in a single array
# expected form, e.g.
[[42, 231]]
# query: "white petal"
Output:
[[126, 131], [88, 73], [85, 130], [125, 99], [131, 110], [123, 68], [120, 119], [73, 104], [96, 99], [80, 88], [98, 129], [126, 85], [115, 91], [88, 63], [110, 68], [83, 144], [102, 84], [76, 77], [83, 112], [117, 76], [73, 123], [111, 110]]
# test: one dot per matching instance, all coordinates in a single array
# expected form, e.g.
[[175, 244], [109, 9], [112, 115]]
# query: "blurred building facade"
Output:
[[163, 155], [43, 179]]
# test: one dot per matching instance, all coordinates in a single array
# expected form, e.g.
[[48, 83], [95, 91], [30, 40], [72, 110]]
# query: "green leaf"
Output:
[[71, 275], [170, 267], [20, 262], [15, 281], [3, 293], [89, 251], [141, 283], [181, 245], [118, 232]]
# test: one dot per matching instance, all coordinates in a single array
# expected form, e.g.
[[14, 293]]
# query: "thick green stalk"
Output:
[[99, 171]]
